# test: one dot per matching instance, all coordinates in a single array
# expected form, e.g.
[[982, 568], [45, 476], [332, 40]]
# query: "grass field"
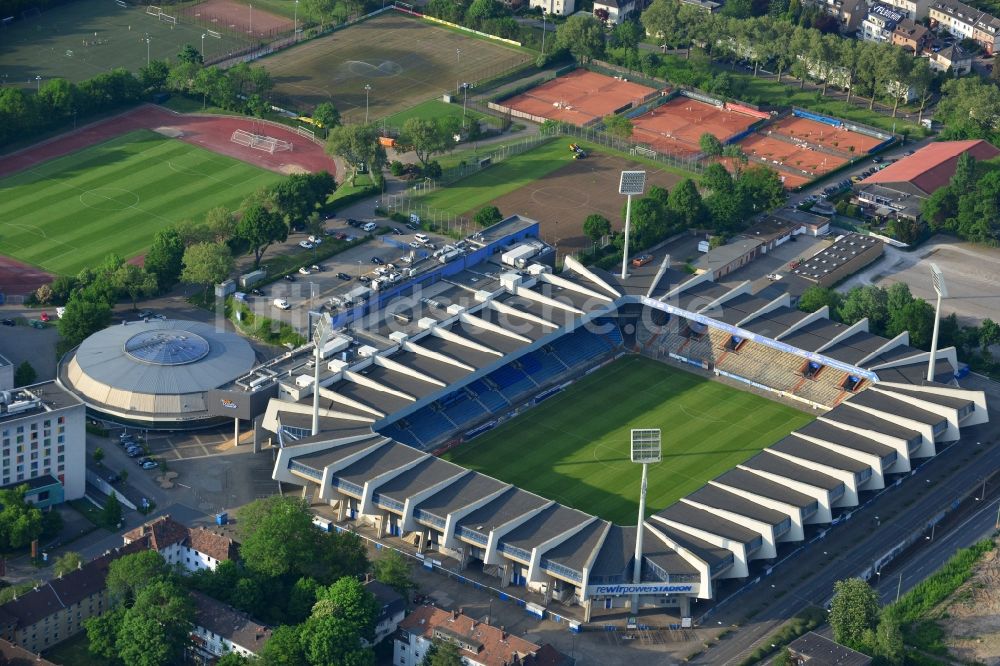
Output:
[[52, 44], [435, 108], [70, 212], [574, 447], [404, 59]]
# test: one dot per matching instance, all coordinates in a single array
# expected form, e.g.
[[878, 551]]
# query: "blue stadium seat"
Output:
[[492, 400], [542, 366], [506, 376], [580, 346], [464, 410], [428, 426]]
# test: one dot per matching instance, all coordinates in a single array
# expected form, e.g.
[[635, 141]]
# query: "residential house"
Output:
[[392, 609], [618, 10], [911, 36], [966, 22], [480, 644], [911, 9], [56, 610], [849, 13], [193, 549], [952, 59], [879, 23], [556, 7], [813, 649], [899, 189], [219, 628]]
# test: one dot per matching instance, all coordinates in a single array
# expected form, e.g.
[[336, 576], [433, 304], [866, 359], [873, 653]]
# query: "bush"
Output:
[[396, 168]]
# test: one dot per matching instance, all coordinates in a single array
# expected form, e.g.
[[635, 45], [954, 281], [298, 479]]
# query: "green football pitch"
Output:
[[574, 447], [70, 212]]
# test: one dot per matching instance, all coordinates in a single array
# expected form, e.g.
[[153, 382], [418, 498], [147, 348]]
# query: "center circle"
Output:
[[558, 196], [166, 347], [109, 199]]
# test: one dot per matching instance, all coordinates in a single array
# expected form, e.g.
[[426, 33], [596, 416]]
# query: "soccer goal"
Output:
[[153, 10], [166, 18], [268, 144]]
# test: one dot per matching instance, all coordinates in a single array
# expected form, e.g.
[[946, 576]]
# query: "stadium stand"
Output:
[[489, 398]]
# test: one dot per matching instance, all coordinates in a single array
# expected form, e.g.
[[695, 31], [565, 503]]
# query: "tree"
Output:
[[102, 633], [207, 264], [815, 297], [784, 658], [220, 224], [25, 374], [98, 455], [134, 281], [301, 599], [128, 575], [488, 216], [619, 127], [20, 522], [328, 639], [326, 115], [393, 569], [284, 648], [111, 514], [68, 561], [582, 35], [889, 640], [259, 227], [662, 20], [596, 227], [82, 318], [443, 653], [425, 137], [760, 189], [348, 599], [358, 144], [153, 76], [989, 333], [917, 317], [155, 630], [276, 536], [853, 611], [340, 555], [165, 258], [190, 54], [686, 204], [298, 195], [861, 302], [233, 659], [710, 144]]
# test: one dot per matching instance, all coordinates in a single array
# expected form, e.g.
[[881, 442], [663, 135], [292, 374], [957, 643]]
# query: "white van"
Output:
[[422, 238], [369, 227], [281, 304]]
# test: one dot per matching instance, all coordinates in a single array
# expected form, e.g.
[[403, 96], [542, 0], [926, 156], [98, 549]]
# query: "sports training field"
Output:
[[574, 447], [70, 212], [87, 37], [404, 59]]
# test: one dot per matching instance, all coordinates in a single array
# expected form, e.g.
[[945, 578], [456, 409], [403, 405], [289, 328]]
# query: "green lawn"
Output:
[[500, 179], [71, 212], [74, 651], [435, 108], [574, 447]]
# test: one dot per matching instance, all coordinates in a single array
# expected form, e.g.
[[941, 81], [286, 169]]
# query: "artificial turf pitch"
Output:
[[574, 447], [71, 212]]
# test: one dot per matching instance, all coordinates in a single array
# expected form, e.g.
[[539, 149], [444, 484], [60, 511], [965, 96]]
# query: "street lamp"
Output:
[[941, 289], [458, 65], [368, 89], [147, 49], [203, 47], [465, 101], [543, 32], [632, 183], [38, 84], [251, 20], [321, 334]]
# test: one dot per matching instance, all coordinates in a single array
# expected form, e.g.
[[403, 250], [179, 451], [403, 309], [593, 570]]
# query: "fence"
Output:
[[688, 162], [193, 14]]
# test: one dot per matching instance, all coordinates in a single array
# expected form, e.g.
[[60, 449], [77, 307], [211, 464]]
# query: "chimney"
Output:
[[454, 615]]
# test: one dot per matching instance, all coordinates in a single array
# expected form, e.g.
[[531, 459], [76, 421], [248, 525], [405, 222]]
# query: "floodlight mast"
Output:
[[632, 182], [646, 449], [321, 334], [941, 289]]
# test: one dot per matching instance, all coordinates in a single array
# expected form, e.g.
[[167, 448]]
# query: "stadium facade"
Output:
[[469, 343]]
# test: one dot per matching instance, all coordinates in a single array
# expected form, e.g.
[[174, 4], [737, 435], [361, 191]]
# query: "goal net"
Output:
[[152, 10], [166, 18], [268, 144]]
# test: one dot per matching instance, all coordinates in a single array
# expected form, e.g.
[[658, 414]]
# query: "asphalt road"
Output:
[[807, 576]]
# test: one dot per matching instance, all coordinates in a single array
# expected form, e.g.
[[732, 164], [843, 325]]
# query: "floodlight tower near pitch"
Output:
[[632, 183], [646, 449]]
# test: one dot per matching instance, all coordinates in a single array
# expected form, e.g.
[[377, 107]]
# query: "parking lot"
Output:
[[343, 272]]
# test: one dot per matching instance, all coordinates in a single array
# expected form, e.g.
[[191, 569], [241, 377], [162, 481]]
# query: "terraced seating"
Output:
[[464, 410], [491, 400]]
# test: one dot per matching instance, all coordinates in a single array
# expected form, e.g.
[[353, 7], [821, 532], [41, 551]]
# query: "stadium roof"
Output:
[[931, 167]]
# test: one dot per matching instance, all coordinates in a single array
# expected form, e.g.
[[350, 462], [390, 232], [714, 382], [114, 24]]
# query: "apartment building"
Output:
[[911, 36], [219, 628], [193, 549], [911, 9], [43, 438], [879, 24], [966, 22]]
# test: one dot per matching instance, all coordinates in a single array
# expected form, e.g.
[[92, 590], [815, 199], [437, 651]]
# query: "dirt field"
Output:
[[239, 17], [562, 200], [579, 97], [404, 59], [676, 127], [210, 132], [971, 272], [972, 624]]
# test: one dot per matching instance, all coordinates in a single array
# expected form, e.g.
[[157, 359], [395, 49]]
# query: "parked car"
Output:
[[315, 240], [411, 226], [304, 271], [364, 279], [415, 244], [257, 292], [44, 317], [306, 244], [396, 231], [150, 464], [290, 278], [354, 223], [114, 478], [7, 322], [344, 276], [642, 259], [133, 453], [143, 459], [377, 261], [341, 236], [281, 304]]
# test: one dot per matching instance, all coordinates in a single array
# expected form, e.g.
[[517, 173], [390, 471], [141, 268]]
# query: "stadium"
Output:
[[468, 346]]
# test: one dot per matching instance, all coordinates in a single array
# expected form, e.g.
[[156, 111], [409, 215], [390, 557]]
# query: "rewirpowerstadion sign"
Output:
[[639, 588]]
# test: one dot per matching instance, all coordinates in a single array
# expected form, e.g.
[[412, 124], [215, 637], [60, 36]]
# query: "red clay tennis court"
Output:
[[579, 97], [676, 127], [789, 158], [834, 138]]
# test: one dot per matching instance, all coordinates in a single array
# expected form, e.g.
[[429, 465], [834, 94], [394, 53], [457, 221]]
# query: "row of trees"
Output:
[[489, 16], [892, 310], [969, 206]]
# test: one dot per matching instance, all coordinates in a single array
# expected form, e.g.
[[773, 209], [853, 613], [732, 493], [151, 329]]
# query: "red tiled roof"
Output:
[[14, 655], [165, 531], [931, 167], [214, 545], [498, 648]]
